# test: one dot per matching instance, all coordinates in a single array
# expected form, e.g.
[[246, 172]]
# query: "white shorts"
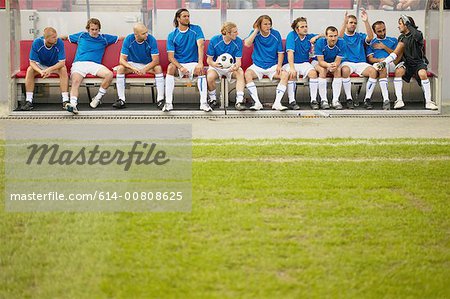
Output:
[[86, 67], [301, 68], [44, 67], [356, 67], [260, 72], [190, 67], [222, 72]]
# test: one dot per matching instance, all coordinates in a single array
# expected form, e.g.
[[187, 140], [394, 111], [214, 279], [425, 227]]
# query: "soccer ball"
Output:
[[225, 60]]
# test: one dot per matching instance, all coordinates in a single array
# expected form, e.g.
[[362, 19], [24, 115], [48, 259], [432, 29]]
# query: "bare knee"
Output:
[[423, 74], [171, 69], [121, 69], [158, 69], [312, 74]]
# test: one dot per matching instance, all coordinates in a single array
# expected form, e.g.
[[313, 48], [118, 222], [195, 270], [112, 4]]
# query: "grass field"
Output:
[[270, 219]]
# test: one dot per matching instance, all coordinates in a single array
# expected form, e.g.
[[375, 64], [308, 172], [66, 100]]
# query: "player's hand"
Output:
[[279, 69], [45, 74], [405, 19], [141, 72], [233, 68], [217, 65], [184, 71], [364, 16], [346, 17], [379, 65], [198, 70], [292, 74]]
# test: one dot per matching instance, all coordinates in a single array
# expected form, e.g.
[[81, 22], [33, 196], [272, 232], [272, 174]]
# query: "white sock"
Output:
[[73, 100], [29, 97], [239, 96], [291, 91], [337, 86], [212, 95], [346, 82], [281, 89], [253, 92], [313, 86], [159, 79], [100, 94], [170, 86], [426, 90], [120, 83], [384, 89], [390, 58], [65, 96], [370, 87], [398, 86], [202, 87], [323, 89]]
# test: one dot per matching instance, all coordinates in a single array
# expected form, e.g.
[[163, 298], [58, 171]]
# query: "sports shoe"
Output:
[[386, 105], [325, 105], [70, 107], [293, 106], [119, 104], [94, 103], [213, 103], [399, 104], [160, 104], [337, 105], [27, 106], [368, 104], [279, 107], [314, 105], [350, 104], [167, 107], [431, 106], [257, 106], [205, 107], [240, 106]]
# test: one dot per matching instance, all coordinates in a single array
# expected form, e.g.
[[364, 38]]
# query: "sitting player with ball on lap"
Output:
[[224, 59]]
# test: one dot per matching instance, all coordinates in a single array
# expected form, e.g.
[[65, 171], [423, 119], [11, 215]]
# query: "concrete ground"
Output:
[[288, 127]]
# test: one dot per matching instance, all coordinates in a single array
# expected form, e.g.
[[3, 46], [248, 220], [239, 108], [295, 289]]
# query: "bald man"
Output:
[[139, 55], [47, 56]]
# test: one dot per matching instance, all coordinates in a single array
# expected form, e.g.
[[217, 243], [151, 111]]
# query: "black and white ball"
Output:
[[225, 60]]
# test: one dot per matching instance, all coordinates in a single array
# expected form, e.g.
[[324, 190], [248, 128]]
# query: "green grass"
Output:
[[374, 227]]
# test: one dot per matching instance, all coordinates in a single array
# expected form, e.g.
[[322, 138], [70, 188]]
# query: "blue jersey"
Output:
[[217, 46], [91, 48], [355, 50], [184, 43], [390, 42], [266, 49], [300, 47], [321, 48], [47, 56], [139, 52]]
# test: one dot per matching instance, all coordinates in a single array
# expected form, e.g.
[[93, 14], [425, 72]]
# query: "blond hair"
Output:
[[49, 31], [226, 27]]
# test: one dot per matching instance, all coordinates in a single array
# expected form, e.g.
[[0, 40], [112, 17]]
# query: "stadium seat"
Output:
[[341, 4]]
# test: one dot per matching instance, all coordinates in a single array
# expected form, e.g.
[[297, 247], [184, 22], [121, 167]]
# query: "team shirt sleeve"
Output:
[[280, 43], [170, 43], [318, 47], [111, 39], [73, 38], [153, 45], [199, 32], [34, 50], [210, 51], [126, 46], [62, 51], [290, 43]]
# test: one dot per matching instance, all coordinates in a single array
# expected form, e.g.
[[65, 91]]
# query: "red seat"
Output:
[[2, 4], [342, 4]]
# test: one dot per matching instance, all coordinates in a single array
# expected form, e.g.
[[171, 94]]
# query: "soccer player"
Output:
[[298, 46], [185, 48], [267, 61], [88, 59], [411, 46], [329, 52], [47, 56], [139, 55], [355, 57], [227, 42], [380, 48]]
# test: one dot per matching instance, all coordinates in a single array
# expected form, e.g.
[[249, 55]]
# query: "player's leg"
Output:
[[280, 90], [107, 76], [76, 79], [336, 87], [322, 85], [240, 85], [313, 88], [250, 75], [170, 86], [383, 74], [29, 89], [291, 86], [63, 83], [202, 86], [423, 76], [211, 77], [398, 86], [159, 81], [372, 73], [120, 84], [347, 84]]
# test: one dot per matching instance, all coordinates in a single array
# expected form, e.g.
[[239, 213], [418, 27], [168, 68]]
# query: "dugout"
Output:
[[26, 19]]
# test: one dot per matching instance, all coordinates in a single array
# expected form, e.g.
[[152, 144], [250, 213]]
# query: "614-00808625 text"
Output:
[[99, 195]]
